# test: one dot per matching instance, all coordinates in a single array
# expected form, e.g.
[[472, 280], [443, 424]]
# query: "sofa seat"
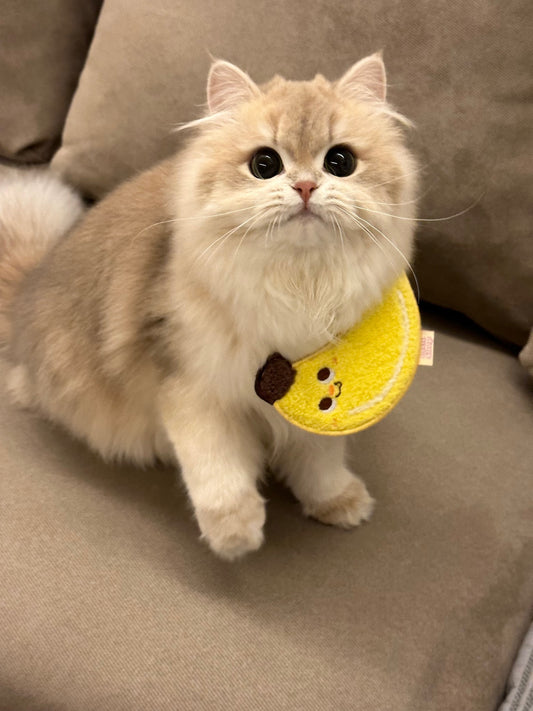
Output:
[[109, 601]]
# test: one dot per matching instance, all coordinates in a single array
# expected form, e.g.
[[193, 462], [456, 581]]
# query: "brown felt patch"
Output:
[[274, 379]]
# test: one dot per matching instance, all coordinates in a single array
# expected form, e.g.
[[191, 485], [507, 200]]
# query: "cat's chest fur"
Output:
[[293, 327], [236, 319], [296, 303]]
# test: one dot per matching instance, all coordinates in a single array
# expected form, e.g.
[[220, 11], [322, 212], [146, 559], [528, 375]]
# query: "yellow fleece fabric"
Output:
[[355, 381]]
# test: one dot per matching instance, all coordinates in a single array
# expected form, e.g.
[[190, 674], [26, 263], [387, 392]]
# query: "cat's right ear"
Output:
[[228, 86], [366, 79]]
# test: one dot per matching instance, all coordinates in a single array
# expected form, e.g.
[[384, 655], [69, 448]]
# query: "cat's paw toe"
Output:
[[231, 532], [346, 510]]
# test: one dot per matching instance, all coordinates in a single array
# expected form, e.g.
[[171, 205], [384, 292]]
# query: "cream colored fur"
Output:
[[35, 211], [141, 331]]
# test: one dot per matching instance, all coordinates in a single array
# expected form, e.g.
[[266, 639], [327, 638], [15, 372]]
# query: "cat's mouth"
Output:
[[305, 215]]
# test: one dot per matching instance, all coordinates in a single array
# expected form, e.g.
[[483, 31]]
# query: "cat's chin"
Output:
[[305, 229]]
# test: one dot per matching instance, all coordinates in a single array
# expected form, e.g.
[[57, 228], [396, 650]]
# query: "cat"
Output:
[[140, 324]]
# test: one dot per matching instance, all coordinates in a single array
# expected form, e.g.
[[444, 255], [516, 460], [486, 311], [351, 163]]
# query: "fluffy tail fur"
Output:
[[36, 209]]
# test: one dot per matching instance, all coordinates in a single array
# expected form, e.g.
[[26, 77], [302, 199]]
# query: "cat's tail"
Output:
[[36, 209]]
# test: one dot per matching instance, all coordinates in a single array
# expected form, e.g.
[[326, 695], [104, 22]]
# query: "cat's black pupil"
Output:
[[340, 161], [323, 374], [265, 164]]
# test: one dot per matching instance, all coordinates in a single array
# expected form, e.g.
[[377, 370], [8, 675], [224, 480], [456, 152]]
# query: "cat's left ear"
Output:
[[366, 79], [228, 86]]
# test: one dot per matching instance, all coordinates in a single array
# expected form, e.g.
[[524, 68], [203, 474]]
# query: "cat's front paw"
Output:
[[233, 531], [346, 510]]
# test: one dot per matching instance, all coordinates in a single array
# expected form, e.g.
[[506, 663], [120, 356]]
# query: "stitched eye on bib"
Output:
[[325, 375], [327, 404]]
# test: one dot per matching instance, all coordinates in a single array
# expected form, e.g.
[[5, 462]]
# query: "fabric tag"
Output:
[[426, 347]]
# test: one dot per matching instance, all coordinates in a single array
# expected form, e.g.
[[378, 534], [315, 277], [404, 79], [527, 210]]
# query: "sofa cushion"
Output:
[[526, 354], [42, 49], [460, 71], [110, 601]]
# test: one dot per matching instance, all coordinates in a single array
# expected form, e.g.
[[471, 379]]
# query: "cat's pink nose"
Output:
[[305, 188]]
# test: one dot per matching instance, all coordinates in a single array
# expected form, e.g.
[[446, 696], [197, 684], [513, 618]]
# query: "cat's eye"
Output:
[[340, 161], [265, 164]]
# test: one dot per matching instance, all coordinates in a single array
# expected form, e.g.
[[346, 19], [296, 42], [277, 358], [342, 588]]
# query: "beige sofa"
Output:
[[108, 599]]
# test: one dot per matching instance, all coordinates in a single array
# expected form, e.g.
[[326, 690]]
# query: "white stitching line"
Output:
[[399, 365]]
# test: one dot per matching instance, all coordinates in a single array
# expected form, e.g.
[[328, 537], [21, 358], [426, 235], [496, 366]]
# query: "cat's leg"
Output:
[[314, 468], [221, 461]]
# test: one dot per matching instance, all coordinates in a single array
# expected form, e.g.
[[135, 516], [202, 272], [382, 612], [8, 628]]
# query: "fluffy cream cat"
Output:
[[140, 326]]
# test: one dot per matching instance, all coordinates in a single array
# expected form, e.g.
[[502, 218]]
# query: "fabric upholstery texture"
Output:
[[43, 46], [109, 601], [460, 71]]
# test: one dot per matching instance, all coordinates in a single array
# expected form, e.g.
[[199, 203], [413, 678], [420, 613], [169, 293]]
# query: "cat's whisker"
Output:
[[242, 240], [382, 249], [338, 230], [362, 224], [219, 246], [272, 225], [406, 202], [376, 242], [424, 219], [250, 227], [223, 237], [145, 229], [190, 219], [209, 247], [415, 171], [278, 221], [394, 204], [342, 240], [267, 232], [370, 200], [365, 197], [208, 215], [360, 220], [253, 220]]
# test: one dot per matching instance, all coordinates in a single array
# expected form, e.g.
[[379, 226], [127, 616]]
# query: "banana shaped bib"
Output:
[[353, 383]]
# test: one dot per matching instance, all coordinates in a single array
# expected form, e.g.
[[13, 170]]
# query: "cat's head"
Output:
[[295, 166]]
